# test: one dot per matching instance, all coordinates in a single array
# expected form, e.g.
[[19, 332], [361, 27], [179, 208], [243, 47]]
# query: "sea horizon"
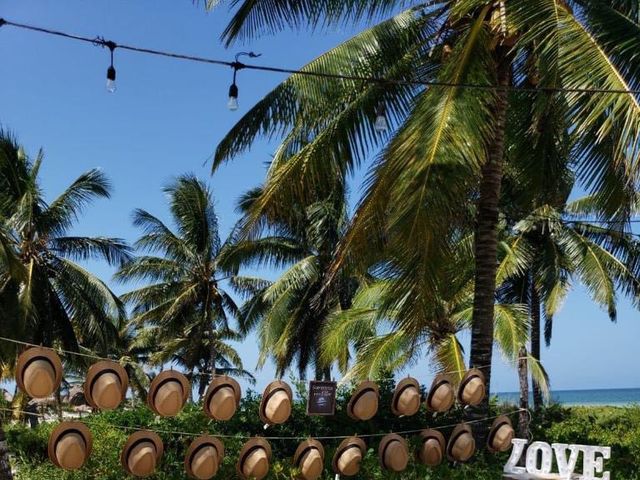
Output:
[[618, 397]]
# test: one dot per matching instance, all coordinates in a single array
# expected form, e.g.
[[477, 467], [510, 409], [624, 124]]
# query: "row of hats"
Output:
[[39, 373], [70, 446]]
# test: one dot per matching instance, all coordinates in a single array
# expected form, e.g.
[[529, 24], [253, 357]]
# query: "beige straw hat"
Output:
[[142, 453], [70, 445], [275, 407], [168, 393], [349, 454], [363, 404], [462, 445], [406, 398], [38, 372], [472, 388], [432, 448], [309, 458], [393, 453], [203, 457], [500, 435], [222, 398], [106, 385], [441, 395], [254, 458]]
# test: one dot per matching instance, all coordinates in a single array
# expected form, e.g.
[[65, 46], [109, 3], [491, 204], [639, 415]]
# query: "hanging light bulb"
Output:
[[232, 104], [111, 71], [381, 125]]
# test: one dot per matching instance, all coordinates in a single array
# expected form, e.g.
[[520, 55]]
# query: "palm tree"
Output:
[[184, 306], [290, 313], [448, 147]]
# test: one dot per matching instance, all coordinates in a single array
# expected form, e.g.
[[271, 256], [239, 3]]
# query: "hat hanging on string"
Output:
[[472, 388], [204, 457], [363, 404], [393, 453], [222, 398], [254, 459], [432, 447], [106, 385], [348, 456], [462, 445], [168, 393], [70, 445], [441, 396], [275, 406], [38, 372], [406, 398], [309, 459], [500, 435], [142, 453]]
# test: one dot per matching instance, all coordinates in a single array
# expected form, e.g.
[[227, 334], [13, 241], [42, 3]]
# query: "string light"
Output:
[[381, 125], [111, 71], [232, 104]]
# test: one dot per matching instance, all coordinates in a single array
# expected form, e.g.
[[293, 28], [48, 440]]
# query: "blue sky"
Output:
[[166, 118]]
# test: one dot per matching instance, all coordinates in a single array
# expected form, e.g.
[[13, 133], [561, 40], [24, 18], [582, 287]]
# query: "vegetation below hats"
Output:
[[610, 426]]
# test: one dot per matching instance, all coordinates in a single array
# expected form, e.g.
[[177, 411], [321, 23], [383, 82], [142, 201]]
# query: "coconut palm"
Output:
[[184, 306], [448, 146], [290, 312]]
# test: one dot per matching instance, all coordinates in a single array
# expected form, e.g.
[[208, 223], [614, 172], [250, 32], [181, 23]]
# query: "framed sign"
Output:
[[322, 398]]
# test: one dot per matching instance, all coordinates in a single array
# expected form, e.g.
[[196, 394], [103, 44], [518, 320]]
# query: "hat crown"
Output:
[[169, 398], [473, 391], [142, 459], [366, 405], [39, 378], [204, 464], [71, 451], [396, 456], [311, 464], [442, 398], [463, 447], [222, 404], [278, 407], [107, 391], [431, 452], [349, 461], [409, 401], [501, 440], [256, 464]]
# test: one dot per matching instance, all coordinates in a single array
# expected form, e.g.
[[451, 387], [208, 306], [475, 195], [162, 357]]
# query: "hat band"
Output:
[[138, 442], [249, 452], [34, 359], [349, 447], [200, 447], [164, 382], [396, 397], [67, 432], [361, 393], [218, 388], [304, 452], [100, 374]]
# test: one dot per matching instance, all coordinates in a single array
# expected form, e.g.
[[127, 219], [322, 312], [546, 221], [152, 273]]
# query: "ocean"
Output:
[[611, 396]]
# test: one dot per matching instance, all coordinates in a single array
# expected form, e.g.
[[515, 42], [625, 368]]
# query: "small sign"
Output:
[[322, 398]]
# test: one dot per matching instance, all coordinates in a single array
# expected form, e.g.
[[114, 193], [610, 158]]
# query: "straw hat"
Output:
[[472, 388], [106, 385], [462, 445], [254, 458], [406, 398], [348, 456], [70, 445], [393, 453], [142, 453], [363, 404], [500, 435], [275, 407], [168, 393], [441, 395], [432, 448], [222, 398], [38, 372], [309, 458], [203, 457]]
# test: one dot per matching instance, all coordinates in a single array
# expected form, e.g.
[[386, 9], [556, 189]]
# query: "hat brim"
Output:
[[429, 434], [162, 378], [97, 369], [344, 445], [472, 373], [457, 432], [217, 384], [273, 387], [304, 447], [441, 379], [250, 445], [61, 430], [135, 438], [386, 440], [497, 423], [403, 385], [37, 353], [359, 391], [196, 445]]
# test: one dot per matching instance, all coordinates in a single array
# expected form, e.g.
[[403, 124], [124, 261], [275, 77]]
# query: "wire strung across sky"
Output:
[[236, 65]]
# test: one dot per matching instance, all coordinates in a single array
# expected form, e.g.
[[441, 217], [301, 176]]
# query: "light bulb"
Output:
[[232, 104], [111, 79]]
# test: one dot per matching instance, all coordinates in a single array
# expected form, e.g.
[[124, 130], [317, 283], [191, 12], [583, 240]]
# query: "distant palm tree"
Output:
[[449, 147], [184, 309]]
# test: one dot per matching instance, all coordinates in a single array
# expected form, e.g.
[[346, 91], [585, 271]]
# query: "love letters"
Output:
[[539, 460]]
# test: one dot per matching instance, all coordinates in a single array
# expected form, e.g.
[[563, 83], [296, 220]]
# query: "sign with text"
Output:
[[322, 398], [540, 457]]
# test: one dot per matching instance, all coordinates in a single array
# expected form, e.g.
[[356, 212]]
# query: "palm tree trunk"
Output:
[[523, 376], [486, 243], [535, 343], [5, 467]]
